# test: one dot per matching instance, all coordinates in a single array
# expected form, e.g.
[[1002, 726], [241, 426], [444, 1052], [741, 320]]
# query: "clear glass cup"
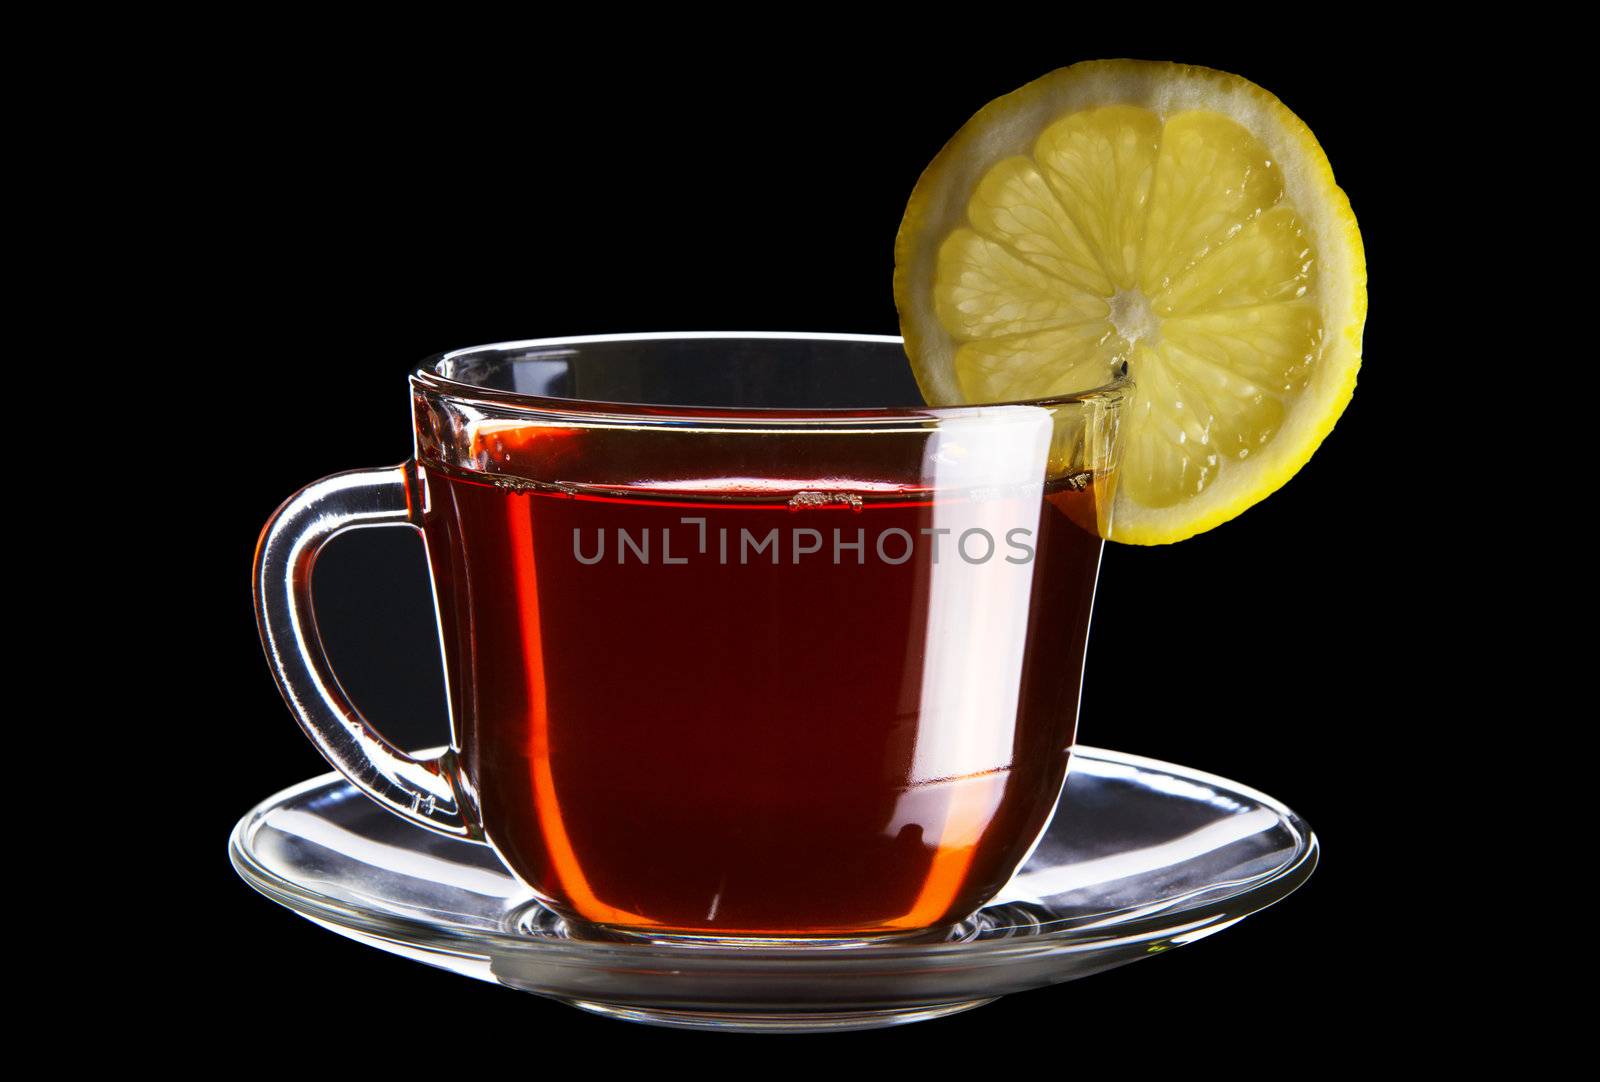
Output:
[[742, 642]]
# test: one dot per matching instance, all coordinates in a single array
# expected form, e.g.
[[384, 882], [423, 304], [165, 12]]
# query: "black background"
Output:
[[347, 213]]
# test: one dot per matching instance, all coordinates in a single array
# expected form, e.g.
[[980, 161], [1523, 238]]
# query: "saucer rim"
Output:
[[1189, 915]]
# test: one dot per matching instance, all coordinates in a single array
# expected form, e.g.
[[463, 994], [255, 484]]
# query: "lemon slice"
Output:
[[1178, 220]]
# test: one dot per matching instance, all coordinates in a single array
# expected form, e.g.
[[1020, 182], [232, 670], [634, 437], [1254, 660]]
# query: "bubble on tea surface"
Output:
[[809, 499]]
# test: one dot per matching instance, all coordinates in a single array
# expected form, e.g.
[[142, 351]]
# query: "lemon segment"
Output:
[[1177, 220]]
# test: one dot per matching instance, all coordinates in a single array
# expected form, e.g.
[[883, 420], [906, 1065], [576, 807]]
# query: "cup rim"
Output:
[[426, 377]]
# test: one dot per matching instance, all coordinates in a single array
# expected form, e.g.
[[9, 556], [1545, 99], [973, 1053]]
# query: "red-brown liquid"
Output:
[[754, 748]]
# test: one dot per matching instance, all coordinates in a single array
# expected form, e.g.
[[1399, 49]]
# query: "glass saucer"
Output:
[[1141, 856]]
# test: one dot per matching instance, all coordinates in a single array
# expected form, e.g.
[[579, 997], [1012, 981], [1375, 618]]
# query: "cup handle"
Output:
[[424, 791]]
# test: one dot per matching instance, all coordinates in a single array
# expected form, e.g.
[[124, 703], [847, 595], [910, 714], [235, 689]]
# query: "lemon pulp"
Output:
[[1176, 219]]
